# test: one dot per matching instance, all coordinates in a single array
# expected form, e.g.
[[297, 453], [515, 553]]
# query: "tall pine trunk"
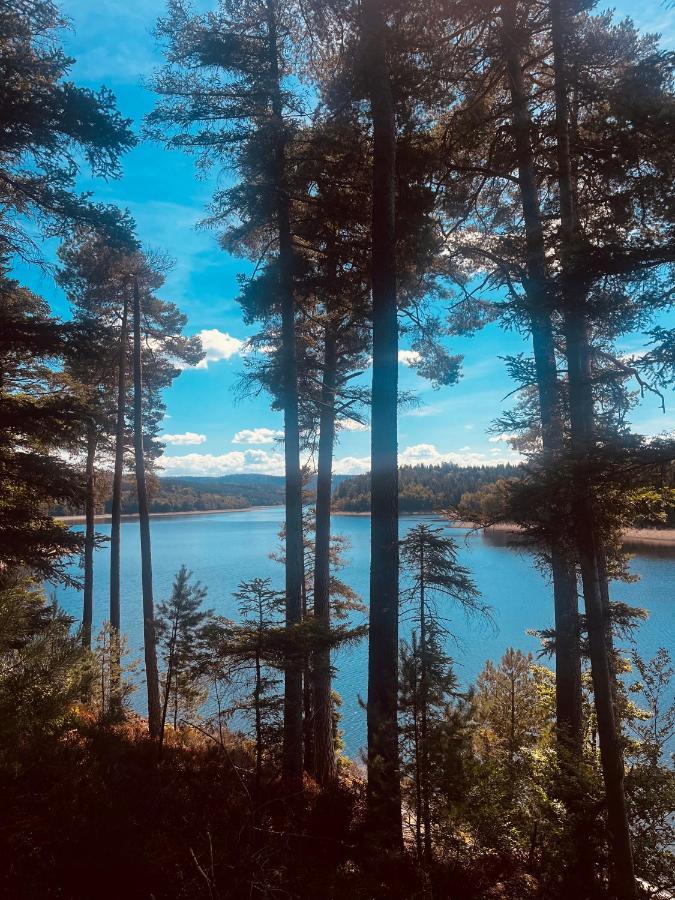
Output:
[[384, 789], [307, 697], [292, 750], [89, 538], [540, 302], [116, 511], [149, 636], [424, 710], [582, 421], [324, 748]]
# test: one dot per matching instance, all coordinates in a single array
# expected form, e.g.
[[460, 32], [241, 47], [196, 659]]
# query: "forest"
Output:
[[394, 176]]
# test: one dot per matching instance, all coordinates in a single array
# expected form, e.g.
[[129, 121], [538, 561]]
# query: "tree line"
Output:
[[417, 169]]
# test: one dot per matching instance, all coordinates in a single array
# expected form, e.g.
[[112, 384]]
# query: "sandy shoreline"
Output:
[[653, 537]]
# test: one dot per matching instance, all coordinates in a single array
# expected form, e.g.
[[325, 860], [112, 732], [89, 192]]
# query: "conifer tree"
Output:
[[253, 647], [231, 65], [181, 620], [429, 560], [50, 126]]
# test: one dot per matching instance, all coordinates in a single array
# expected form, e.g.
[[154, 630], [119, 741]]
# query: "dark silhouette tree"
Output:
[[231, 66]]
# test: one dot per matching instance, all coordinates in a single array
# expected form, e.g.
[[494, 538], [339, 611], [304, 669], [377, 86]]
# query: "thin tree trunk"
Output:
[[384, 789], [540, 300], [418, 761], [258, 721], [167, 689], [324, 747], [293, 699], [424, 700], [307, 697], [149, 637], [583, 443], [89, 538], [116, 511]]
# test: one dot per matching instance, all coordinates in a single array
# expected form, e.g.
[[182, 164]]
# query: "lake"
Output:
[[222, 549]]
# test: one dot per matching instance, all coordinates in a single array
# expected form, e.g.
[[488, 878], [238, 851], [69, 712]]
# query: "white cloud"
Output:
[[502, 438], [269, 462], [235, 462], [183, 440], [257, 436], [353, 425], [429, 455], [408, 357], [218, 345], [351, 465]]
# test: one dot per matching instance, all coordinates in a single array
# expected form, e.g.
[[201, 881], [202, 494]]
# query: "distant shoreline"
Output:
[[80, 520], [644, 537]]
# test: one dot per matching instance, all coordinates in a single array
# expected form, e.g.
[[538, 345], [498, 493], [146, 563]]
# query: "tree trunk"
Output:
[[384, 789], [424, 703], [418, 760], [324, 747], [89, 539], [307, 697], [116, 512], [258, 721], [583, 444], [540, 301], [293, 698], [149, 637]]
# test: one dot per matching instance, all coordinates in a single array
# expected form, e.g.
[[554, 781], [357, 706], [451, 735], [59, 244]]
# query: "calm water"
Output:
[[225, 548]]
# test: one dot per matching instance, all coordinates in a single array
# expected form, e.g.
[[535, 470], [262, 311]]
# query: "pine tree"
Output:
[[50, 127], [97, 273], [253, 648], [232, 65], [180, 624], [429, 561], [40, 414]]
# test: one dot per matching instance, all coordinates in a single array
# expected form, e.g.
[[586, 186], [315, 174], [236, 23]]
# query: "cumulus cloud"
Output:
[[429, 455], [408, 357], [183, 440], [353, 425], [502, 438], [351, 465], [218, 345], [269, 462], [257, 436], [233, 463]]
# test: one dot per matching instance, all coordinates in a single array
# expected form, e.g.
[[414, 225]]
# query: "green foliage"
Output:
[[180, 627], [49, 126], [113, 675], [40, 416], [423, 488], [650, 783], [44, 671]]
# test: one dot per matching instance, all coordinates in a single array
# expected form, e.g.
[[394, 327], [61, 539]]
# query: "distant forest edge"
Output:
[[474, 492], [176, 494], [424, 488]]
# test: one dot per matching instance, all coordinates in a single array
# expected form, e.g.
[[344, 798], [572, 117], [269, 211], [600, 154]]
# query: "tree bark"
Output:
[[89, 538], [258, 719], [324, 748], [149, 636], [582, 421], [293, 695], [116, 511], [424, 702], [384, 790], [541, 303]]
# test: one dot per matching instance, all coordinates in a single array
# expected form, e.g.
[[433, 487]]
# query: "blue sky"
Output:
[[207, 433]]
